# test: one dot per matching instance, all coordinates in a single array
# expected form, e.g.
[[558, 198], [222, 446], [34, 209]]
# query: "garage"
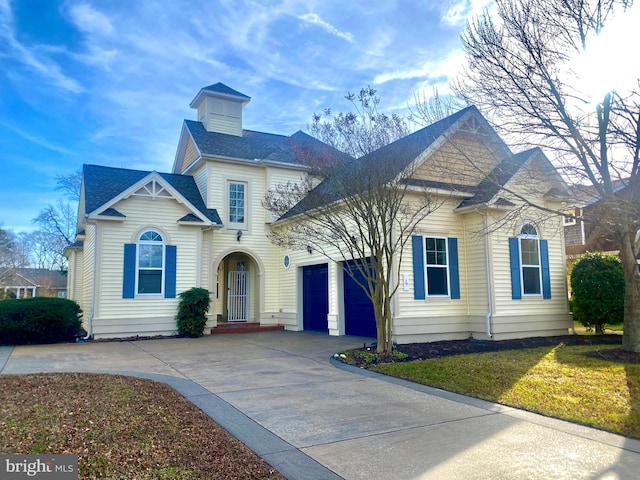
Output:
[[359, 318], [315, 297]]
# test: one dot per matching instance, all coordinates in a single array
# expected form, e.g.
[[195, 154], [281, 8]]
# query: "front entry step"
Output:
[[243, 327]]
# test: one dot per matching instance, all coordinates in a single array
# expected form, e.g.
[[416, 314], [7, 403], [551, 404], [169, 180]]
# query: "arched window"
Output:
[[150, 263], [530, 260]]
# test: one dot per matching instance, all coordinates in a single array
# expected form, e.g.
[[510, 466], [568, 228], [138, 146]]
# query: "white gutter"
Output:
[[93, 284], [488, 275]]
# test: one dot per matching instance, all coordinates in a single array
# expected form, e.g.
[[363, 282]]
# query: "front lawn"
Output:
[[574, 383], [120, 427]]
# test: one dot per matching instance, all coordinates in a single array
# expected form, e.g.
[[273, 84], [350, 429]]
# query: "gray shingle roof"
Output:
[[222, 88], [36, 277], [501, 174], [252, 145], [102, 184], [395, 157]]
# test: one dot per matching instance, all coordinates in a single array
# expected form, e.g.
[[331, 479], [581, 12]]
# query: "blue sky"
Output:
[[109, 82]]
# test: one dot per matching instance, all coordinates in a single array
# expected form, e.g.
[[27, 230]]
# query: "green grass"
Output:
[[557, 381]]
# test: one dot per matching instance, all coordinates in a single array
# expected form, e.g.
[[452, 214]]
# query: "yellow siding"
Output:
[[465, 161], [190, 154], [153, 315], [475, 241], [87, 271], [442, 222], [200, 177], [75, 277]]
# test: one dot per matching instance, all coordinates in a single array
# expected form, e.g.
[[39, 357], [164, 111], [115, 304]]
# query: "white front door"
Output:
[[237, 300]]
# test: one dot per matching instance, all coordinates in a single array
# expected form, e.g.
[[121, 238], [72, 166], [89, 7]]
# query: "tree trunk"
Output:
[[631, 336]]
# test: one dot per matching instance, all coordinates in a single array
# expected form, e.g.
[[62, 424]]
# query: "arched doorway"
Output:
[[237, 288]]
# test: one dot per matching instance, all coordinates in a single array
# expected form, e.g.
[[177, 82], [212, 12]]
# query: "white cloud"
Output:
[[447, 67], [37, 140], [459, 12], [89, 20], [315, 19], [34, 58]]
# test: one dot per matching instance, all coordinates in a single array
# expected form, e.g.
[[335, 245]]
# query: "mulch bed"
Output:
[[423, 351]]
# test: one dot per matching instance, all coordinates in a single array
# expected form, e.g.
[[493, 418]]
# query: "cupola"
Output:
[[220, 108]]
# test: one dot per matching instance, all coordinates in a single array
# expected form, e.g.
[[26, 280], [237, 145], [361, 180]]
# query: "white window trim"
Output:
[[426, 266], [237, 225], [536, 237], [164, 258]]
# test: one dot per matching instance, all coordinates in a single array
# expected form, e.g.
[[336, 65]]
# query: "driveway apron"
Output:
[[311, 418]]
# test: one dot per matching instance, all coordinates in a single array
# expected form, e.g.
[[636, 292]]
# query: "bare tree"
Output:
[[364, 211], [427, 110], [521, 74], [9, 253], [361, 131], [70, 185], [57, 225]]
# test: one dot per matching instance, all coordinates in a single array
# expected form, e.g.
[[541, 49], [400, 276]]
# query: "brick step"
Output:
[[243, 327]]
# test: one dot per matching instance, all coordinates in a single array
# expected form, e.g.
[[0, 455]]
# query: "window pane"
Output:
[[151, 236], [529, 252], [150, 281], [236, 202], [528, 229], [531, 280], [437, 281], [150, 256], [436, 251]]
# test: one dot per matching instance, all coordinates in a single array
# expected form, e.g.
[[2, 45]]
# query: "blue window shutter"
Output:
[[546, 276], [170, 271], [454, 270], [129, 275], [514, 256], [418, 267]]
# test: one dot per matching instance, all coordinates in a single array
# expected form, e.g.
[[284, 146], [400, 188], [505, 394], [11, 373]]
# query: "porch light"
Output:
[[239, 235], [309, 249]]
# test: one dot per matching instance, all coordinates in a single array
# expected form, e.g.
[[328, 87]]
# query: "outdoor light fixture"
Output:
[[309, 249], [239, 235]]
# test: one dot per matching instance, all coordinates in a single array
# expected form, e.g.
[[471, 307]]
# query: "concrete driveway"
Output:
[[279, 393]]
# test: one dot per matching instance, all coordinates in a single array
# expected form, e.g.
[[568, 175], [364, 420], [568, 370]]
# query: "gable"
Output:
[[103, 187], [191, 154], [463, 158]]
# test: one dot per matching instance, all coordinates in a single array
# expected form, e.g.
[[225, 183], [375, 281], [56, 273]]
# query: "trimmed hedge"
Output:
[[40, 320]]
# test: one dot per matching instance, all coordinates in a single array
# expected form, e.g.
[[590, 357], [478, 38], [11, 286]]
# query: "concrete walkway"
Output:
[[279, 393]]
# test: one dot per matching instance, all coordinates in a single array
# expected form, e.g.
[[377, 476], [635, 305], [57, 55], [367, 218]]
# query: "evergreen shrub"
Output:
[[597, 282], [192, 312], [40, 320]]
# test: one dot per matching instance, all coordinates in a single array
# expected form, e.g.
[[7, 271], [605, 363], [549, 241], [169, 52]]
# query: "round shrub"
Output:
[[192, 312], [40, 320], [597, 282]]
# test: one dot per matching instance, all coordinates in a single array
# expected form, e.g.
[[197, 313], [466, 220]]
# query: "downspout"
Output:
[[93, 284], [487, 266]]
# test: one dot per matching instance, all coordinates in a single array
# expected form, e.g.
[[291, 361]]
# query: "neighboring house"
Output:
[[581, 225], [33, 282], [581, 230], [144, 237]]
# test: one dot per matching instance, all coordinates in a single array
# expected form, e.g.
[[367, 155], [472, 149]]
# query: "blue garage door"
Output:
[[359, 318], [315, 297]]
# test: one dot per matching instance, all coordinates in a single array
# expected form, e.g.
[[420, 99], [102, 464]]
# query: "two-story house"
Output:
[[144, 237]]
